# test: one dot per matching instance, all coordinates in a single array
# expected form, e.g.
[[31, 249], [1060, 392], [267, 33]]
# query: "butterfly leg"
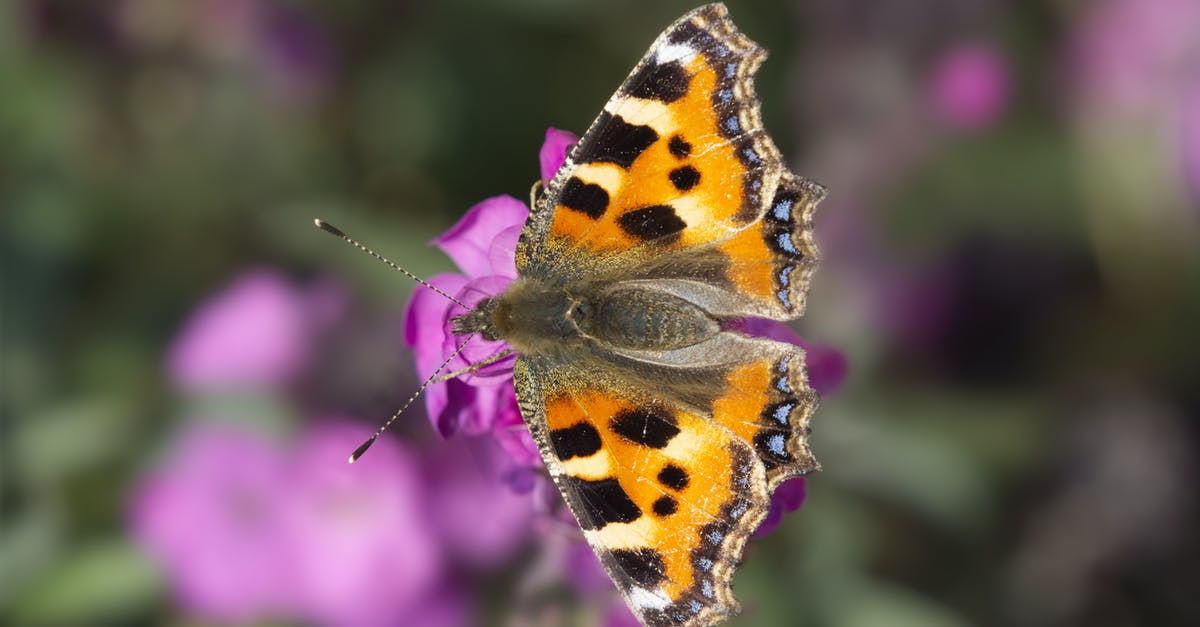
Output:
[[535, 192], [475, 366]]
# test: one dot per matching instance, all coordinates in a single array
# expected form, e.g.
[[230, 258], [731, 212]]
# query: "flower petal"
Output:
[[554, 151], [425, 321], [467, 477], [210, 515], [787, 498], [469, 243], [502, 257], [365, 552], [254, 333], [827, 367], [791, 493]]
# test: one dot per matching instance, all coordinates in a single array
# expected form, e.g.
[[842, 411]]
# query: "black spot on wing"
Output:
[[679, 147], [665, 506], [603, 502], [581, 440], [673, 477], [684, 178], [654, 222], [617, 141], [588, 198], [666, 83], [689, 33], [644, 567], [647, 426]]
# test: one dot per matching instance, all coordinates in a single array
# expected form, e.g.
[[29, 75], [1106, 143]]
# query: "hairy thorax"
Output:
[[536, 318]]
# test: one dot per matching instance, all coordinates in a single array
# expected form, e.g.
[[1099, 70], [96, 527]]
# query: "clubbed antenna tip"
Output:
[[362, 448], [328, 228]]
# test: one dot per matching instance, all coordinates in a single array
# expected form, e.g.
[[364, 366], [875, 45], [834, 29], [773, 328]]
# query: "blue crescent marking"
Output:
[[785, 243], [783, 209]]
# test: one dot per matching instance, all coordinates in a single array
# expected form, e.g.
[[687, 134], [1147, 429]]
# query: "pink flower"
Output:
[[787, 498], [256, 332], [467, 474], [247, 531], [1130, 55], [554, 151], [363, 550], [211, 518], [969, 87], [619, 615], [1133, 64], [1190, 140]]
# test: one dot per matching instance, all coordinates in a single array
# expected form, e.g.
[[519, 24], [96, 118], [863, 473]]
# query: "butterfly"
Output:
[[673, 217]]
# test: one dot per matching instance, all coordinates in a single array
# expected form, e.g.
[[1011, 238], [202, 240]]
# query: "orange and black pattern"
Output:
[[665, 430]]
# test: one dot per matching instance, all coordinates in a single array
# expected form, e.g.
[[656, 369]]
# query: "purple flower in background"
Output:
[[211, 517], [256, 332], [1134, 54], [1190, 140], [295, 53], [969, 87], [619, 615], [787, 498], [554, 151], [363, 551], [245, 530], [1135, 70], [468, 476]]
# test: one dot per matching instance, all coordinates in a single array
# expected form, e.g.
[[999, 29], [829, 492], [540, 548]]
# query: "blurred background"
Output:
[[1011, 272]]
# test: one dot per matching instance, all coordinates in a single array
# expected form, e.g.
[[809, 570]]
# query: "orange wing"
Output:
[[668, 484], [678, 157], [678, 179]]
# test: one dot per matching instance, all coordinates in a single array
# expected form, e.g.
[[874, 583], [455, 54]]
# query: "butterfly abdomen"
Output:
[[648, 320], [537, 318]]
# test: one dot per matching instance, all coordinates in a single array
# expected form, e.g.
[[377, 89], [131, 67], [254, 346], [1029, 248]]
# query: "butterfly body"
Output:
[[665, 428], [536, 319]]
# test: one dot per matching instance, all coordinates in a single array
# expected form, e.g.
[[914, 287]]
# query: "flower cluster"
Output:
[[250, 527]]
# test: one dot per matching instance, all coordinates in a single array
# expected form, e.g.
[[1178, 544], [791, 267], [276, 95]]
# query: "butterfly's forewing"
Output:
[[678, 156], [678, 179]]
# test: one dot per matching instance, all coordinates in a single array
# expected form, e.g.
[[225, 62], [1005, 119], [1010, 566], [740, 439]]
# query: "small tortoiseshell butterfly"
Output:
[[674, 216]]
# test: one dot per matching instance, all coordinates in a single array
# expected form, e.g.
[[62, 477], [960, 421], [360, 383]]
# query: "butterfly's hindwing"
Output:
[[667, 499], [772, 264], [667, 460]]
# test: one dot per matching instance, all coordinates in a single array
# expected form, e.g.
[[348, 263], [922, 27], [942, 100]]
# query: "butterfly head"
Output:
[[479, 320], [531, 316]]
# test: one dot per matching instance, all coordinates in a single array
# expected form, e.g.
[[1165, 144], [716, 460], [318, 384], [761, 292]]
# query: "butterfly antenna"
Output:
[[362, 448], [336, 232]]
